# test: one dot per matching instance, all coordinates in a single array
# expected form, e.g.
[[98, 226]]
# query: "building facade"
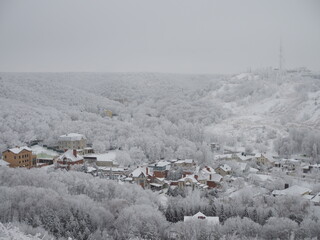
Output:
[[72, 141], [20, 157]]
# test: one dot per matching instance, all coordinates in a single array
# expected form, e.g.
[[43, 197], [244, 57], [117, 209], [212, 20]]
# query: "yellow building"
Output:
[[20, 157], [109, 113]]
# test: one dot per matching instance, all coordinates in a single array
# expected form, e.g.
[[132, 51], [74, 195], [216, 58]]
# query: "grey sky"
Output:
[[198, 36]]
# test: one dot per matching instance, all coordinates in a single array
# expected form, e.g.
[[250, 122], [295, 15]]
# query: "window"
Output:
[[15, 157]]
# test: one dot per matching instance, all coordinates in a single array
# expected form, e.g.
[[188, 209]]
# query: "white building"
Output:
[[72, 141]]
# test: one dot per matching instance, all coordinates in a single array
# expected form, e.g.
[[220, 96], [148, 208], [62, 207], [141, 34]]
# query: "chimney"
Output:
[[196, 177], [147, 171], [65, 150], [75, 152], [210, 177], [286, 185]]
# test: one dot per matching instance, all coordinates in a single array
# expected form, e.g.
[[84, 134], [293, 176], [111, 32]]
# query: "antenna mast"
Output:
[[280, 57]]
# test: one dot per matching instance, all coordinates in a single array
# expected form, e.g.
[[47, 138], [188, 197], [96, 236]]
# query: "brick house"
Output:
[[69, 158], [20, 157]]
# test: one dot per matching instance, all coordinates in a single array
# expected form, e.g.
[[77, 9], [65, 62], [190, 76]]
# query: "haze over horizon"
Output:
[[157, 36]]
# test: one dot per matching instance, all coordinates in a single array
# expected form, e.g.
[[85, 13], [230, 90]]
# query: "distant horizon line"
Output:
[[157, 72]]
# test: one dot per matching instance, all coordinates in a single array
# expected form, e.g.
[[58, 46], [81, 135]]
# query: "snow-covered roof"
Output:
[[162, 163], [113, 169], [189, 161], [156, 184], [201, 217], [316, 198], [253, 170], [91, 169], [222, 156], [17, 150], [104, 157], [70, 157], [216, 177], [294, 190], [225, 167], [269, 157], [137, 172], [261, 177], [71, 137], [243, 157], [266, 155], [242, 166], [37, 149], [188, 177]]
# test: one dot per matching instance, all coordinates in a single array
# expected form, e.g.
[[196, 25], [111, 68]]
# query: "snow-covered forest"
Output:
[[72, 204], [159, 116], [164, 115]]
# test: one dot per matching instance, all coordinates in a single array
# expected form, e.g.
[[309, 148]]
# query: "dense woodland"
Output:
[[163, 115], [73, 204], [155, 116]]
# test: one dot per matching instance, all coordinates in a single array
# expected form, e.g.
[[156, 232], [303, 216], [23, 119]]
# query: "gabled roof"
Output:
[[103, 157], [295, 190], [68, 155], [162, 163], [17, 150], [243, 157], [225, 167], [216, 177], [188, 177], [189, 161], [316, 198], [140, 170]]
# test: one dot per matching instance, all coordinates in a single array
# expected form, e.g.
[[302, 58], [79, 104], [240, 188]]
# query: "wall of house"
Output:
[[80, 144], [221, 171], [22, 159]]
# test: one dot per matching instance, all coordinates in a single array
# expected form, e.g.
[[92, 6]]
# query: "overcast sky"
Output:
[[183, 36]]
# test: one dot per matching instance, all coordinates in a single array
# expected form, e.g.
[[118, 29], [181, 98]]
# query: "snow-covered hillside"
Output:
[[249, 109], [266, 107]]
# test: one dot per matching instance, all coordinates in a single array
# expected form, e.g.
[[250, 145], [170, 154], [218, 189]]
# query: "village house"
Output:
[[242, 157], [310, 168], [208, 177], [160, 169], [102, 160], [214, 147], [72, 141], [292, 191], [223, 170], [186, 163], [201, 217], [141, 176], [68, 159], [20, 157], [113, 173], [188, 181], [265, 159]]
